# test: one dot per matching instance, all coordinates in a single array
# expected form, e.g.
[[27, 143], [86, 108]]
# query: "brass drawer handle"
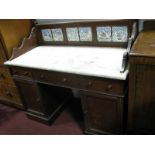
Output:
[[64, 80]]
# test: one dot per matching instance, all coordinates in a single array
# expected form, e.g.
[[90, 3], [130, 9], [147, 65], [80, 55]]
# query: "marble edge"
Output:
[[123, 77]]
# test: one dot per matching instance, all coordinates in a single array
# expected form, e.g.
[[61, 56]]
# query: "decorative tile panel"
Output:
[[57, 34], [47, 35], [72, 34], [85, 33], [104, 34], [119, 33]]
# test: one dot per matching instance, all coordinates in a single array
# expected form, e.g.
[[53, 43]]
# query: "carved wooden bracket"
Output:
[[27, 44]]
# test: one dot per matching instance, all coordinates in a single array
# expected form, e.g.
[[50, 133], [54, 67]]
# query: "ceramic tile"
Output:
[[104, 34], [47, 35], [85, 33], [57, 34], [72, 34], [119, 33]]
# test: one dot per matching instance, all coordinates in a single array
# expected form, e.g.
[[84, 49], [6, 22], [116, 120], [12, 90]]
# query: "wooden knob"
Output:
[[109, 86], [26, 73], [89, 84], [15, 72], [42, 76], [38, 99], [64, 80]]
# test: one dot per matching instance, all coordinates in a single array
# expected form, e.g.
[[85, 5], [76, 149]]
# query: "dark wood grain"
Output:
[[141, 111], [83, 82], [42, 102], [103, 114], [11, 34], [144, 45], [104, 94], [149, 25]]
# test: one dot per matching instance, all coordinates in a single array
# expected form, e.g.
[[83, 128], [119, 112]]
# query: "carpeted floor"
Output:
[[15, 122]]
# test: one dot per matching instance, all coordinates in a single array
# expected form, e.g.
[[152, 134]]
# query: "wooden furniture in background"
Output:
[[141, 111], [148, 25], [12, 33], [44, 91]]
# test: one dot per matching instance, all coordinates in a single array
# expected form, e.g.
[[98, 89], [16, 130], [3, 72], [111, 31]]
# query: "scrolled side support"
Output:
[[26, 45]]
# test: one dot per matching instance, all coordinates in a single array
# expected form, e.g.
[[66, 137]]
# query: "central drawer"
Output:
[[56, 78]]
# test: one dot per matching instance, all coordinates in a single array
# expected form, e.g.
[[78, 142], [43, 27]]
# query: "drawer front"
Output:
[[9, 93], [61, 79], [5, 76], [81, 82], [22, 72], [102, 85]]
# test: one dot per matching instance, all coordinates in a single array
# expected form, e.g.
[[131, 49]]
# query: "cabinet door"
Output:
[[42, 102], [30, 94], [103, 113]]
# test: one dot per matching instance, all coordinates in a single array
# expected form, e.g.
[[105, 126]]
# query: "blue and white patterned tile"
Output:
[[104, 34], [85, 33], [57, 34], [72, 34], [119, 33], [47, 35]]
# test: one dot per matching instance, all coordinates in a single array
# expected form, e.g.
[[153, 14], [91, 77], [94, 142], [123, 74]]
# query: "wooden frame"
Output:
[[27, 44], [93, 24]]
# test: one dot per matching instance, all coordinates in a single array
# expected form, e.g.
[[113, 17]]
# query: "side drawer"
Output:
[[108, 86], [56, 78], [26, 73]]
